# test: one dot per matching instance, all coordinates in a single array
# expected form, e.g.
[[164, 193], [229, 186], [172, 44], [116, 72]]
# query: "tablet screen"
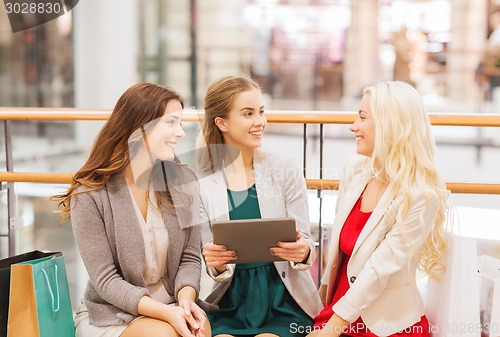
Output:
[[251, 239]]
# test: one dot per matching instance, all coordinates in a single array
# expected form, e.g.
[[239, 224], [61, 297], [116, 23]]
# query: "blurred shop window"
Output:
[[401, 70], [488, 71], [437, 51], [261, 51], [417, 33], [330, 65], [36, 70], [37, 65], [297, 49]]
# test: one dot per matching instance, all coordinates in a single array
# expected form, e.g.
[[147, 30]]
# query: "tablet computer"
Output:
[[251, 239]]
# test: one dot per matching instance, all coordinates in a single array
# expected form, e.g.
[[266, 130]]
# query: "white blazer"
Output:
[[281, 192], [381, 270]]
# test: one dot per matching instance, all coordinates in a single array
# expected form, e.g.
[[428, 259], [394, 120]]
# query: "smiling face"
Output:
[[364, 128], [165, 134], [246, 121]]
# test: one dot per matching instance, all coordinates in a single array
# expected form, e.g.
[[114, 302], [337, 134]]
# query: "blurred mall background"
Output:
[[307, 55]]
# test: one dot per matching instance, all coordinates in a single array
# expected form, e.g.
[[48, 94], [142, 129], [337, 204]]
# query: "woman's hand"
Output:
[[185, 325], [193, 310], [186, 318], [218, 256], [292, 251]]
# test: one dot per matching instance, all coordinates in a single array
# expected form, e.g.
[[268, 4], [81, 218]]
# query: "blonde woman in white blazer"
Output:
[[242, 182], [390, 210]]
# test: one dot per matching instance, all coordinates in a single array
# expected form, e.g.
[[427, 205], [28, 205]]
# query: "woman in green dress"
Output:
[[242, 182]]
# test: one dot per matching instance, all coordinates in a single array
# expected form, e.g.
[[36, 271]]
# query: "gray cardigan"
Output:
[[110, 242]]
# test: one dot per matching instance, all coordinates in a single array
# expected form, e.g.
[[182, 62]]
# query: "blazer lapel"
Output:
[[217, 188], [122, 205], [355, 187], [125, 221], [174, 246], [264, 186], [374, 218], [349, 197]]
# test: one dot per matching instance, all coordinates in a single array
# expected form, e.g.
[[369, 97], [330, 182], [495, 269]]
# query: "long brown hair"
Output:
[[217, 103], [139, 105]]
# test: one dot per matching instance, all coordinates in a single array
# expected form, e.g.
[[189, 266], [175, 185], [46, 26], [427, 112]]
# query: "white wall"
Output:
[[105, 49]]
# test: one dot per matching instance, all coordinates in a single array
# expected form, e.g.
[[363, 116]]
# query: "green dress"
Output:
[[257, 300]]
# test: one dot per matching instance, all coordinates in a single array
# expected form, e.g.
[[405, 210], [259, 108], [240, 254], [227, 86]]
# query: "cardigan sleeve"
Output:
[[190, 265], [189, 271], [95, 249]]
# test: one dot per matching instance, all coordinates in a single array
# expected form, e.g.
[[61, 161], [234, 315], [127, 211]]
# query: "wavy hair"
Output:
[[405, 151], [138, 108], [218, 102]]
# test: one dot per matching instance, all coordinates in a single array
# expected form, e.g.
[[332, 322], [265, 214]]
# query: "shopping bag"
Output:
[[453, 302], [489, 275], [40, 305], [5, 266]]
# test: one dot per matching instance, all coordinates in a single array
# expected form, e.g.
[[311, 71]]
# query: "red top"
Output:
[[348, 236]]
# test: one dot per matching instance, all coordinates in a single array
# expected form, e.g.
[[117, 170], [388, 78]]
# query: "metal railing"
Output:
[[10, 177]]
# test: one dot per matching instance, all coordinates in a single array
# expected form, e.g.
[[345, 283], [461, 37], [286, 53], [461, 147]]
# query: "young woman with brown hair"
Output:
[[130, 206]]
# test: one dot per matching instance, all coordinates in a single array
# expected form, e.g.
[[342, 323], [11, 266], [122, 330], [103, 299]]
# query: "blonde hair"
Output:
[[217, 103], [405, 150]]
